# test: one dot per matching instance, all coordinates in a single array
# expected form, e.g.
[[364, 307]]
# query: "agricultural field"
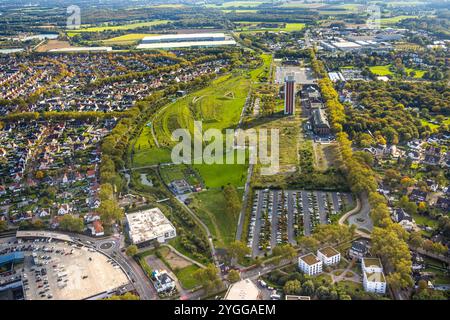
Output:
[[252, 26], [236, 4], [129, 26], [127, 39], [394, 20]]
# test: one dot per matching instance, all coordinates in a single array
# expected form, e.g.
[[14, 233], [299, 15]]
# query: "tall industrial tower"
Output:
[[289, 94]]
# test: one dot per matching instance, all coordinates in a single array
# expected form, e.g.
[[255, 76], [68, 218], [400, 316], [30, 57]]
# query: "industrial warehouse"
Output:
[[186, 41]]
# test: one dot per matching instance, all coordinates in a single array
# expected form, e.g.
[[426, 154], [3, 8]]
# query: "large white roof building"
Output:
[[148, 225], [169, 41]]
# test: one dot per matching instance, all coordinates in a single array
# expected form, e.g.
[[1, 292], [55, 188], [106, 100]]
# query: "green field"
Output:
[[236, 4], [128, 26], [211, 208], [394, 20], [185, 276], [219, 106], [252, 26], [385, 71], [127, 38], [381, 70]]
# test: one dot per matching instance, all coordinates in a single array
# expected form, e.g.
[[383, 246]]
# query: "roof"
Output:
[[243, 290], [11, 257], [292, 297], [184, 36], [329, 252], [375, 277], [310, 259], [169, 45], [97, 226], [148, 225], [319, 117], [369, 262], [76, 49], [359, 246]]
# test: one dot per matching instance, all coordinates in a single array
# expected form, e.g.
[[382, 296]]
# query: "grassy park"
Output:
[[211, 207], [385, 71]]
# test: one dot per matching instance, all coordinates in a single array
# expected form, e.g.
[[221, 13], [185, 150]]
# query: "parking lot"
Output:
[[64, 271], [279, 216], [302, 75]]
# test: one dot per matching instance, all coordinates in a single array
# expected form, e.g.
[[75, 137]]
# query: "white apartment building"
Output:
[[310, 264], [373, 276], [329, 256]]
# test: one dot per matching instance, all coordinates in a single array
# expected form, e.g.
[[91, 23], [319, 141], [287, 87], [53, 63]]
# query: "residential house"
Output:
[[64, 209], [97, 228], [358, 249], [418, 195], [162, 281]]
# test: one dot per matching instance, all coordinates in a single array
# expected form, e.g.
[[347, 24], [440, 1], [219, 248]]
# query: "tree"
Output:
[[3, 225], [415, 239], [110, 211], [323, 293], [132, 250], [71, 223], [286, 251], [308, 288], [209, 278], [232, 199], [234, 276], [292, 287], [238, 250], [126, 296], [309, 243]]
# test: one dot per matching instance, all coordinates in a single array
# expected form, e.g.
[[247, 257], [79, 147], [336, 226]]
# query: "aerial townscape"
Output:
[[130, 170]]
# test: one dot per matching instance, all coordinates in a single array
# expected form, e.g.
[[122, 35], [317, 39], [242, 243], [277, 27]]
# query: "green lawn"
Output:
[[251, 26], [427, 123], [211, 208], [185, 276], [394, 20], [384, 71], [381, 70], [218, 106], [424, 220]]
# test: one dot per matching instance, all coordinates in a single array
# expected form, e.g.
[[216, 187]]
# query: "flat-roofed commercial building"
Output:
[[187, 37], [310, 264], [192, 40], [149, 225]]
